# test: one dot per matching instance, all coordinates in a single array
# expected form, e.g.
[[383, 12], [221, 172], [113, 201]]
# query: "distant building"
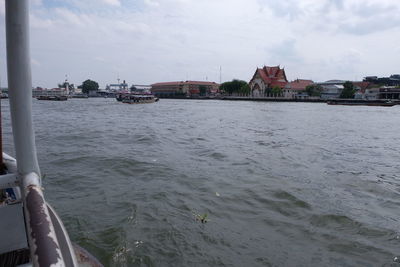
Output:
[[393, 80], [116, 87], [331, 89], [369, 94], [184, 88], [266, 78], [361, 88], [167, 89], [94, 93], [142, 89], [296, 88], [383, 92], [389, 92]]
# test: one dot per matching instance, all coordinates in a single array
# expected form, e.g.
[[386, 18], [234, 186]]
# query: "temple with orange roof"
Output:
[[266, 78]]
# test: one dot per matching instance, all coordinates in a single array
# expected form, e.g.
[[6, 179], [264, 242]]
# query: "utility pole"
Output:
[[220, 74]]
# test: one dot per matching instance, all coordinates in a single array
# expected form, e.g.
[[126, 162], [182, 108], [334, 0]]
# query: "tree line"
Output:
[[235, 86]]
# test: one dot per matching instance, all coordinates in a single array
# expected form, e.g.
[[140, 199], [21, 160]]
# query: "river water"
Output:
[[282, 184]]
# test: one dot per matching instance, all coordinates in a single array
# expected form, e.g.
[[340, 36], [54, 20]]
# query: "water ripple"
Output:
[[281, 184]]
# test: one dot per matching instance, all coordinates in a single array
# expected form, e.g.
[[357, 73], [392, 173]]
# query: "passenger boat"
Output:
[[53, 97], [362, 102], [120, 96], [31, 233], [84, 96], [139, 99]]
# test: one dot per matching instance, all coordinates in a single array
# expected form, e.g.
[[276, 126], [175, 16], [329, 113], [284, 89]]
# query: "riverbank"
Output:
[[273, 99], [376, 102], [243, 98]]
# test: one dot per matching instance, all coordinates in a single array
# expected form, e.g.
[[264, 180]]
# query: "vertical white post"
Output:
[[20, 85], [43, 243]]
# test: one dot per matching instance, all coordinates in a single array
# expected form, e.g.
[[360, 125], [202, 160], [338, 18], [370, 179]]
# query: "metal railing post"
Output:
[[43, 244]]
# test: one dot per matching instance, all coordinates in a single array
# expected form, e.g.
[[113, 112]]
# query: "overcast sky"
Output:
[[148, 41]]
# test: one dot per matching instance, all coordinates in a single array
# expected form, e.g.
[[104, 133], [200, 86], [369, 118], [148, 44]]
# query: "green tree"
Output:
[[314, 90], [203, 90], [245, 89], [276, 91], [89, 85], [348, 90], [233, 86]]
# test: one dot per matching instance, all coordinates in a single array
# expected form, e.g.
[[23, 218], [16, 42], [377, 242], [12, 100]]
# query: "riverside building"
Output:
[[296, 89], [184, 88], [265, 79]]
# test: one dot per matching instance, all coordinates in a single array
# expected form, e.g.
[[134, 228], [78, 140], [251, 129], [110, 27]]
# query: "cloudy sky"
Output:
[[148, 41]]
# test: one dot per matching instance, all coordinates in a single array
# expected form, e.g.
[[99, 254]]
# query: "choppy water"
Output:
[[283, 184]]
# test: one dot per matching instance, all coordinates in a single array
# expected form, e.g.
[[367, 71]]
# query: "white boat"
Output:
[[139, 99], [31, 233]]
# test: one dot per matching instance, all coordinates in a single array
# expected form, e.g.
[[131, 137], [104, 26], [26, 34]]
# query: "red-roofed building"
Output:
[[296, 88], [361, 86], [266, 78], [188, 88]]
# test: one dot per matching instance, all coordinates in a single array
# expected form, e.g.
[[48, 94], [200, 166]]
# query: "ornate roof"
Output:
[[272, 76], [299, 84]]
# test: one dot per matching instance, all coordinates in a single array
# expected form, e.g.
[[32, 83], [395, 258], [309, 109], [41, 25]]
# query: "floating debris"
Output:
[[202, 218], [138, 243], [396, 259], [217, 194]]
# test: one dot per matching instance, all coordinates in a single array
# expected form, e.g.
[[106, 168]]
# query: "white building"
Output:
[[296, 88], [116, 87], [331, 89]]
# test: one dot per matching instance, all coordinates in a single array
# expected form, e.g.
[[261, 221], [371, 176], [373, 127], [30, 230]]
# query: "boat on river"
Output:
[[31, 233], [79, 95], [53, 97], [362, 102], [139, 99], [120, 96], [135, 98]]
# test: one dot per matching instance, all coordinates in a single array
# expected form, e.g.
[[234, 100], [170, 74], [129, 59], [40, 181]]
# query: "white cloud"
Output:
[[38, 22], [2, 7], [152, 3], [158, 40], [112, 2], [37, 2]]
